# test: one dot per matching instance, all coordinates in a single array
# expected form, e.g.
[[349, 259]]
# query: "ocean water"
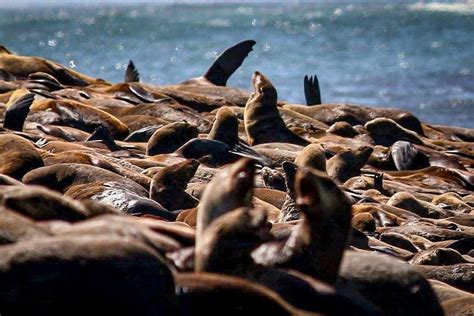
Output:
[[418, 57]]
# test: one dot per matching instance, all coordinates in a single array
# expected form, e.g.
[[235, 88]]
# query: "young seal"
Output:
[[169, 184], [263, 123], [228, 190]]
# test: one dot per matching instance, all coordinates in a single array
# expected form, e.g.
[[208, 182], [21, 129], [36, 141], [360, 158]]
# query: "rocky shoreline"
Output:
[[198, 198]]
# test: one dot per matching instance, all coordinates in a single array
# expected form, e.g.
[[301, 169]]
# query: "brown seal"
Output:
[[23, 66], [263, 123], [84, 273], [169, 184], [356, 114], [326, 211], [312, 156], [170, 137], [387, 281], [347, 164], [17, 156], [228, 190]]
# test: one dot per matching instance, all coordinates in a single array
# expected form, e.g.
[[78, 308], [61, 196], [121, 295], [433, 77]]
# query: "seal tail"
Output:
[[131, 74], [17, 112], [101, 133], [312, 92], [228, 62]]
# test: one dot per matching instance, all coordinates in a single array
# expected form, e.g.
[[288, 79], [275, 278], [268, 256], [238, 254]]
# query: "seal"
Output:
[[169, 184], [89, 182], [23, 66], [347, 164], [15, 227], [83, 271], [325, 211], [387, 281], [263, 123], [78, 115], [170, 137], [356, 114], [17, 156], [229, 189], [313, 156]]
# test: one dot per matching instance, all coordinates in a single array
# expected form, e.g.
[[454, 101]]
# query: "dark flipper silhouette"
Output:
[[102, 134], [228, 62], [131, 74], [16, 113], [69, 79], [311, 90], [142, 94]]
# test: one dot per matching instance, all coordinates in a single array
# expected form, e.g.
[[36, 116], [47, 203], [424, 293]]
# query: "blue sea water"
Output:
[[419, 57]]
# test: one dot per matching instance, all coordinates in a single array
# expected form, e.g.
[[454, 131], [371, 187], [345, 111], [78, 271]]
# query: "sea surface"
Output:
[[418, 57]]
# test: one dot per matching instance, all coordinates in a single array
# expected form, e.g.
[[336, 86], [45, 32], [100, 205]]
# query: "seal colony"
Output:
[[198, 198]]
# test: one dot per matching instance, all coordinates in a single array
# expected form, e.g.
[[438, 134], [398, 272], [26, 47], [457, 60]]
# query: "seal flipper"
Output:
[[66, 78], [142, 94], [131, 74], [228, 62], [244, 150], [407, 157], [312, 92], [102, 133], [16, 113]]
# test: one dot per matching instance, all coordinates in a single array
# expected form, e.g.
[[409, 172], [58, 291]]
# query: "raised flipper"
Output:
[[16, 113], [228, 62], [102, 134], [142, 94], [311, 90], [131, 74], [244, 150]]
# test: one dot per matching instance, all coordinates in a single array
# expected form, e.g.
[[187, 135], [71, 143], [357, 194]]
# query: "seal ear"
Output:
[[131, 74], [16, 113], [228, 62], [311, 90]]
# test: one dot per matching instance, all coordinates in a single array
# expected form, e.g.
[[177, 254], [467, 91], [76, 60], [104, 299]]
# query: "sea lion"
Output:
[[459, 275], [169, 184], [89, 182], [262, 121], [23, 66], [347, 164], [170, 137], [386, 282], [15, 227], [229, 189], [356, 114], [343, 129], [385, 132], [326, 211], [197, 291], [17, 156], [408, 202], [78, 115], [84, 273], [312, 156], [42, 204]]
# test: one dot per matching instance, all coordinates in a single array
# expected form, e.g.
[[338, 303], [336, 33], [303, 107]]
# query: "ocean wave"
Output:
[[459, 7]]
